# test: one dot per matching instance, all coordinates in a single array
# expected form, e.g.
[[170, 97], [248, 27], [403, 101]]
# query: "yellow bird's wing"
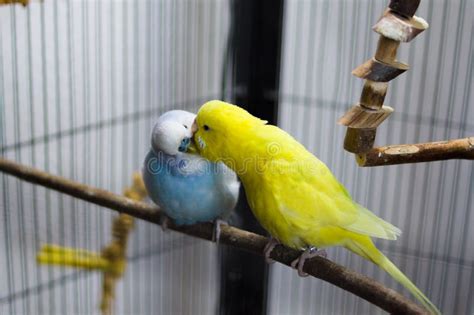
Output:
[[314, 199], [369, 224], [309, 193], [311, 196]]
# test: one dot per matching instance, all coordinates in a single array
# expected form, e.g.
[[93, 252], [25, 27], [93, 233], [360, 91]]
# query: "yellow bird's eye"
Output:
[[206, 127]]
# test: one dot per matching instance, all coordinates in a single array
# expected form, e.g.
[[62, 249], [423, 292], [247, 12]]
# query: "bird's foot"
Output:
[[267, 250], [165, 220], [217, 229], [309, 253]]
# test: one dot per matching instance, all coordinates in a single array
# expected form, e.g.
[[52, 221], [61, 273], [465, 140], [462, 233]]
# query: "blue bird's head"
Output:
[[172, 133]]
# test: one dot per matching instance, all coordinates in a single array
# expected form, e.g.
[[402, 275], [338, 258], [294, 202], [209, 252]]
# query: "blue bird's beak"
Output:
[[187, 145]]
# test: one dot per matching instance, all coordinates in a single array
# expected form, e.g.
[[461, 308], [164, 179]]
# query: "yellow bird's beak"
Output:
[[192, 147], [194, 127]]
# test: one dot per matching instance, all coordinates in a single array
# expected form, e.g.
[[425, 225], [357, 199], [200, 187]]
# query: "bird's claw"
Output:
[[267, 250], [217, 229], [309, 253], [165, 220]]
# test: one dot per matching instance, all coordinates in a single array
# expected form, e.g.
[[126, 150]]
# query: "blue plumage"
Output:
[[187, 187]]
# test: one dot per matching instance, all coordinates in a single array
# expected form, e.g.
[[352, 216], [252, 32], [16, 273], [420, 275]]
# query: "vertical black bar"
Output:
[[255, 45]]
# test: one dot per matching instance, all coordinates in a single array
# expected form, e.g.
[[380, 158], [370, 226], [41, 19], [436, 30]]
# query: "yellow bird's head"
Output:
[[221, 128]]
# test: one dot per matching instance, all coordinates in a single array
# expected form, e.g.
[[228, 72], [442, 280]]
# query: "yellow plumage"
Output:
[[293, 195]]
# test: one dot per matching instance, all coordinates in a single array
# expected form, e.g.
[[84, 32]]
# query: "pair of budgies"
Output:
[[293, 195]]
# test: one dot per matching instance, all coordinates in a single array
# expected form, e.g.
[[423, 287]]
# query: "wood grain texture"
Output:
[[398, 28], [420, 152], [379, 71], [373, 94], [359, 140], [386, 50], [404, 7], [359, 117], [22, 2]]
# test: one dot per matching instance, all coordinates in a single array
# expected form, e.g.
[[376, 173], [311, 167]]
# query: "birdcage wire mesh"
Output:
[[431, 202], [81, 83]]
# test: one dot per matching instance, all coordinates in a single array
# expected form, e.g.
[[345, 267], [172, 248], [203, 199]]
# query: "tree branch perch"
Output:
[[420, 152], [319, 267]]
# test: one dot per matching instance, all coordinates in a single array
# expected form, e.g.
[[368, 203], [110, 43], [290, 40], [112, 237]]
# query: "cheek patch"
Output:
[[201, 142]]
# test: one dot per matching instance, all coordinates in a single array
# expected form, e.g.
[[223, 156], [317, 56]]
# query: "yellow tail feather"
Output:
[[365, 248]]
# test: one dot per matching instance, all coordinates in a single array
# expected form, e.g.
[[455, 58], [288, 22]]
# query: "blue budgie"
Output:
[[188, 188]]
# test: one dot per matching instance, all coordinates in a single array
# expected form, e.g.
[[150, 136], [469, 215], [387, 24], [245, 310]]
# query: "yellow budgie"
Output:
[[293, 195]]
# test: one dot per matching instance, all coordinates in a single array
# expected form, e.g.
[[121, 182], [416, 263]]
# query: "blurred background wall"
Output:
[[81, 83]]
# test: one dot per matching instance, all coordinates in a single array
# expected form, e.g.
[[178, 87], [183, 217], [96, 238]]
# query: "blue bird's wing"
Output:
[[189, 188]]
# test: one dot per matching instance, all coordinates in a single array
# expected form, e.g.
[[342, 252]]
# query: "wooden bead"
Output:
[[359, 117], [386, 50], [378, 71], [404, 7], [373, 94], [398, 28], [359, 140]]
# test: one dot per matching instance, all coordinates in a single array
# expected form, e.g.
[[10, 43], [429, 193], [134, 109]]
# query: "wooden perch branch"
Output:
[[319, 267], [420, 152]]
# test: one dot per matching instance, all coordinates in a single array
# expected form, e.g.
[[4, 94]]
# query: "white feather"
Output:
[[170, 129]]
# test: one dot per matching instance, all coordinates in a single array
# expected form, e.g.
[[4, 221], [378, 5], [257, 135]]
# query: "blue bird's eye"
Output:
[[183, 146]]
